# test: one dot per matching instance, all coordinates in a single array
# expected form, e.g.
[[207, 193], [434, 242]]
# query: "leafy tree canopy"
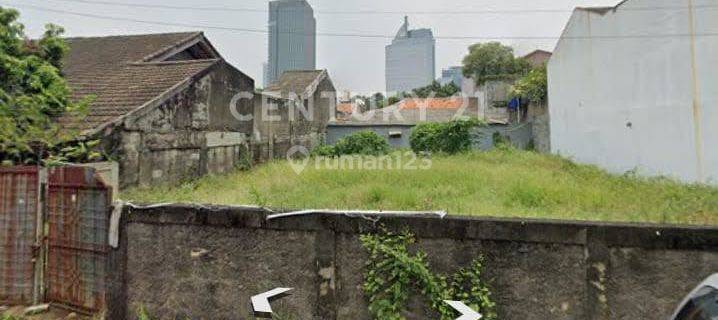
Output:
[[493, 61], [32, 92], [533, 86], [375, 101], [378, 100], [436, 90], [359, 143], [449, 137]]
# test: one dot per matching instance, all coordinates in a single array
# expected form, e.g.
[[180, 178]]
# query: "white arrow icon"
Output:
[[260, 302], [466, 312]]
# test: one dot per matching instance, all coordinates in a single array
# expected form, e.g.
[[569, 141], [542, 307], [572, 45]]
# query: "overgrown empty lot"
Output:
[[502, 183]]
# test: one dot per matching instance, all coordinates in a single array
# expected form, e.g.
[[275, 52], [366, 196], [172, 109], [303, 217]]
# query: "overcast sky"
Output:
[[355, 64]]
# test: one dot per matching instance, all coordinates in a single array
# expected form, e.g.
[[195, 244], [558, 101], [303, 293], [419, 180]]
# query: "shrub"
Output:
[[533, 86], [363, 142], [142, 314], [501, 142], [451, 137], [436, 90], [493, 61], [323, 151], [425, 137]]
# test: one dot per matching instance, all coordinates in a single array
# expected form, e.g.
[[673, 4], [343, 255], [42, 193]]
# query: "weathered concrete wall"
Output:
[[275, 129], [205, 262], [541, 133], [325, 101], [635, 89], [492, 93], [278, 127], [226, 83], [109, 172], [189, 135], [518, 135]]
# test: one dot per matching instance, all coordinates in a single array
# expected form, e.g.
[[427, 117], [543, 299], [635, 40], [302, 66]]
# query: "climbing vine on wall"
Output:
[[393, 272]]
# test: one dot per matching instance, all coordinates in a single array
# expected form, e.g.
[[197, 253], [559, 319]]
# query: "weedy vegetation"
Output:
[[394, 272], [500, 183]]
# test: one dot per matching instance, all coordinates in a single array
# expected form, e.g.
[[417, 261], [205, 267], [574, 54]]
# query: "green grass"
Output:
[[508, 183]]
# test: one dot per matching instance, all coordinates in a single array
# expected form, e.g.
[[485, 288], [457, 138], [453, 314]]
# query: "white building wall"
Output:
[[627, 91]]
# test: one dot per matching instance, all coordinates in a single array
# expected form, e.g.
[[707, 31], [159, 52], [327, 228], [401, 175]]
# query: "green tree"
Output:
[[437, 90], [379, 99], [370, 102], [492, 61], [533, 86], [32, 92], [450, 137], [359, 143], [375, 101], [362, 142], [393, 100]]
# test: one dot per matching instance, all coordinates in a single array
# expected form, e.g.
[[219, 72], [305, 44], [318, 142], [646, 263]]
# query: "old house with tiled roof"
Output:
[[162, 104], [294, 111]]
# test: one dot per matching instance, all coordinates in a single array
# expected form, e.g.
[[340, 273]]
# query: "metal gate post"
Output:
[[38, 292]]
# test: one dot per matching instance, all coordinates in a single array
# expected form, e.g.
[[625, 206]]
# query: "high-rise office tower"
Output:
[[410, 59], [452, 75], [292, 38]]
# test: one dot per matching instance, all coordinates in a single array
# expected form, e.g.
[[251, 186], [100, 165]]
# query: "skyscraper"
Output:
[[292, 38], [410, 59], [452, 75]]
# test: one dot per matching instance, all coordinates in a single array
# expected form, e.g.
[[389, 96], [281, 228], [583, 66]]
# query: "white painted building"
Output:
[[410, 59], [635, 87]]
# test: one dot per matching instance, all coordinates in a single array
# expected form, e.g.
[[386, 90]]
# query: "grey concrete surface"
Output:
[[205, 263]]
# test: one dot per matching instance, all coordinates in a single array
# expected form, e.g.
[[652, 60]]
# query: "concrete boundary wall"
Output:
[[205, 262]]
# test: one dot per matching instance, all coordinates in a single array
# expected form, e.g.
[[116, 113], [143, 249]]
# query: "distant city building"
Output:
[[265, 75], [452, 74], [345, 96], [410, 59], [292, 38]]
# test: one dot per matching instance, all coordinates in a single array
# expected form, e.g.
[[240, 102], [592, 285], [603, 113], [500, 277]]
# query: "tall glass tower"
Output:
[[410, 59], [292, 38]]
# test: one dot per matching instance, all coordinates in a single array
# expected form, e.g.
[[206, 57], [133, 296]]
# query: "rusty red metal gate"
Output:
[[77, 225], [53, 236], [19, 192]]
